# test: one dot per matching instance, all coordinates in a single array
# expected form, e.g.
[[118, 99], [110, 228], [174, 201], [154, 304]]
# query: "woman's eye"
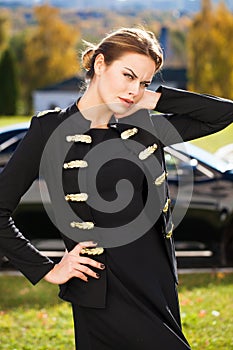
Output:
[[128, 76], [145, 85]]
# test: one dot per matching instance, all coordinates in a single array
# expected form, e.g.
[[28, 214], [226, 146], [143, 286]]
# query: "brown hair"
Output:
[[121, 41]]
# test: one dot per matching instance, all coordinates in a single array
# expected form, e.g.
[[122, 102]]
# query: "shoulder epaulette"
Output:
[[47, 111]]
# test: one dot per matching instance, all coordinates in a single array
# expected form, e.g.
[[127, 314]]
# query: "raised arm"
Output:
[[193, 115]]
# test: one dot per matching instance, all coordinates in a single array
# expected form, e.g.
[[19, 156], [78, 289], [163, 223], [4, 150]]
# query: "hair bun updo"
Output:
[[87, 56]]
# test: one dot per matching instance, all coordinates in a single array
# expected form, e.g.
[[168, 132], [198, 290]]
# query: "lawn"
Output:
[[12, 120], [213, 142], [34, 318]]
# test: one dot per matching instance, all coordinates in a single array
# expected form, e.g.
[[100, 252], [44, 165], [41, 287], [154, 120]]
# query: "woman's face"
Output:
[[122, 83]]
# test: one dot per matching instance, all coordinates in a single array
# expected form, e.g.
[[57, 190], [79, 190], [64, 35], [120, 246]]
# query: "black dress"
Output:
[[142, 310]]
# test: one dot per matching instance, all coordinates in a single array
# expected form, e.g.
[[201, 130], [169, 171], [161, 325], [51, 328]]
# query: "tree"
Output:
[[4, 31], [222, 57], [210, 49], [9, 84], [50, 49]]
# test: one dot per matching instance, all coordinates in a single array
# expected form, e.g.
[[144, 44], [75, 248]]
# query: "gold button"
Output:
[[128, 133], [85, 225], [75, 164], [147, 152], [166, 206], [76, 197], [169, 234], [79, 138], [92, 251], [160, 179]]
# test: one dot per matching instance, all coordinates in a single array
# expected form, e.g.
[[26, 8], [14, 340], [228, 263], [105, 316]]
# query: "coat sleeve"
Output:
[[15, 179], [187, 115]]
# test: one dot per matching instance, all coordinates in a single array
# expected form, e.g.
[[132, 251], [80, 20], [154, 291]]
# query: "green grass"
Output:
[[213, 142], [207, 309], [34, 315], [210, 143], [12, 120]]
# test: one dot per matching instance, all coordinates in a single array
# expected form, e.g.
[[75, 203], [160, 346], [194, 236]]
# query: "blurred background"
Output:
[[40, 43]]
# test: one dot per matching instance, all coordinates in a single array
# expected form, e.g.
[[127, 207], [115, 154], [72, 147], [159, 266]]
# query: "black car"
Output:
[[201, 189], [206, 192]]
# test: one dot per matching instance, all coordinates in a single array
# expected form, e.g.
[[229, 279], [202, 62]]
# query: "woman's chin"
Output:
[[120, 110]]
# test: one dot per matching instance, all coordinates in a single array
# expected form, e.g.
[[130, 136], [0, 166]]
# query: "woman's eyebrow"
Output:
[[135, 76]]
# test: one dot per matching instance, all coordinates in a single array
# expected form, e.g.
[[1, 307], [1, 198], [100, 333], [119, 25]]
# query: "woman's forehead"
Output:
[[137, 63]]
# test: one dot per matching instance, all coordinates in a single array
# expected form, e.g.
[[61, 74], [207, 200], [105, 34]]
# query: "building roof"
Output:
[[178, 75], [71, 84]]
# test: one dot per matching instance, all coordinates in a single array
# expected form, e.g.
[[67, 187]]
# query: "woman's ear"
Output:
[[99, 64]]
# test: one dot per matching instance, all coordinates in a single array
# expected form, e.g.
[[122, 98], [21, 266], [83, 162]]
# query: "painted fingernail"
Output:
[[97, 275], [102, 266]]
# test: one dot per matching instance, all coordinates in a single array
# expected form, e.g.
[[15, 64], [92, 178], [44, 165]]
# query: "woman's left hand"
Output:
[[149, 101]]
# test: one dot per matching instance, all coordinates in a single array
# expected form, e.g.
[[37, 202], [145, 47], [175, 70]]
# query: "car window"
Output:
[[10, 140], [180, 165], [11, 148], [6, 135]]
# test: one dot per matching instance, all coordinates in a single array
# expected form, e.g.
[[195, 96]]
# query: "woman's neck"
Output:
[[94, 111]]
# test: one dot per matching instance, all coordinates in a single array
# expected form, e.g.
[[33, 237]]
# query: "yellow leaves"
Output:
[[4, 29], [220, 275], [45, 13], [210, 48], [50, 49]]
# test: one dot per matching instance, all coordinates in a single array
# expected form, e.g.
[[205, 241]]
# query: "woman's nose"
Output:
[[134, 88]]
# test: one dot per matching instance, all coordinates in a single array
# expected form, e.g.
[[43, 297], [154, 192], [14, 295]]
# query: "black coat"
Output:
[[185, 116]]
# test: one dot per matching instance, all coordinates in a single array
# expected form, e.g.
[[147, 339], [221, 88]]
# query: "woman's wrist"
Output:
[[49, 276], [150, 99]]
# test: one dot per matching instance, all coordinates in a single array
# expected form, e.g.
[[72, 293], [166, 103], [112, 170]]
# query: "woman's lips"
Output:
[[126, 101]]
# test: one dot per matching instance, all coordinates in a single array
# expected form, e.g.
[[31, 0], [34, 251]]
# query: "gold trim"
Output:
[[42, 113], [147, 152], [166, 206], [79, 138], [75, 164], [76, 197], [85, 225], [160, 179], [92, 251], [128, 133], [170, 233]]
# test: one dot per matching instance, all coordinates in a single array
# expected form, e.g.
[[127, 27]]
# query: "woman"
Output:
[[122, 286]]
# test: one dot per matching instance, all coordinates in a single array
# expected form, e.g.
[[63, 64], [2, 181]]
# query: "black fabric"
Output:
[[141, 302]]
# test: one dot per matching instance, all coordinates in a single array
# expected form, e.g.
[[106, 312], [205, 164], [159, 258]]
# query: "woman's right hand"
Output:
[[74, 265]]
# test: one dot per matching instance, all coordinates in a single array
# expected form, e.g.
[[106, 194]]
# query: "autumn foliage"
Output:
[[46, 43], [50, 49], [210, 45]]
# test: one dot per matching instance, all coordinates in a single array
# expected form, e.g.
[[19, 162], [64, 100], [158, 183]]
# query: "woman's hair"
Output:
[[119, 42]]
